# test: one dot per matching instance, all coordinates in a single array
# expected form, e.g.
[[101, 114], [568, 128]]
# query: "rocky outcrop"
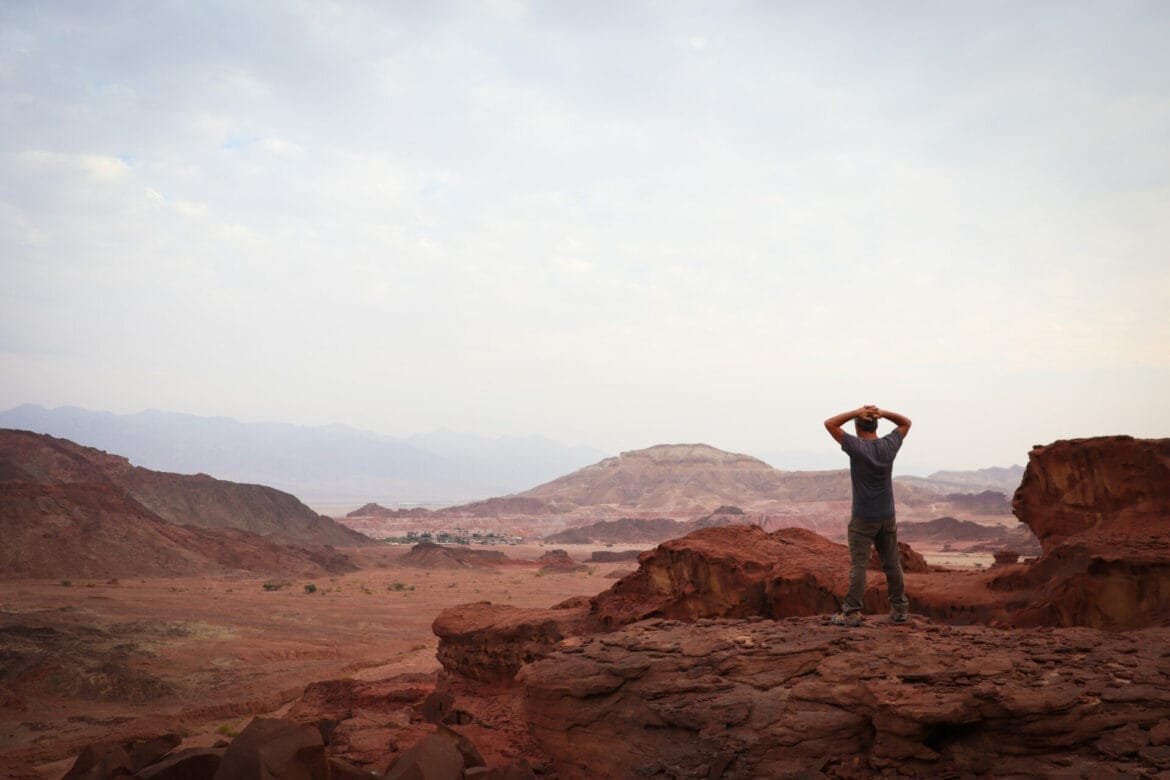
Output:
[[490, 642], [1102, 492], [428, 555], [1101, 509], [741, 571], [559, 562], [762, 698], [270, 747]]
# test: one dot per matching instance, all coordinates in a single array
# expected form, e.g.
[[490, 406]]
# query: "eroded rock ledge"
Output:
[[745, 698]]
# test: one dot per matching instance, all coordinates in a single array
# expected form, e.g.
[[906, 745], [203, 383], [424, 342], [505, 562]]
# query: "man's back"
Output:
[[871, 463]]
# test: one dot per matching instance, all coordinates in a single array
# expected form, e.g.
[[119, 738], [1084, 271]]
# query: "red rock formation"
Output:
[[1101, 509], [1117, 487], [740, 571], [490, 642], [428, 555], [559, 562], [756, 698]]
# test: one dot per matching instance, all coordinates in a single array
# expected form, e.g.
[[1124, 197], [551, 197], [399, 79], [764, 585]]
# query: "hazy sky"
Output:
[[617, 224]]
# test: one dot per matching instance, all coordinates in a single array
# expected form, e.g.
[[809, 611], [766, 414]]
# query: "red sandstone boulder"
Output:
[[104, 761], [431, 758], [270, 748], [190, 764], [490, 642], [1108, 490], [741, 571]]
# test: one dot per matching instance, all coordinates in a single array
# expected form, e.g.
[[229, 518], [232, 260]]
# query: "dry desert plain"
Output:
[[200, 656]]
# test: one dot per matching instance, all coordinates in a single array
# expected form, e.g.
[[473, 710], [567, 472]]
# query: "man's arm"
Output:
[[833, 424], [900, 420]]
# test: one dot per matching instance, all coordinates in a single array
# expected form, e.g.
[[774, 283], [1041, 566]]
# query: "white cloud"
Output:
[[281, 147], [97, 166]]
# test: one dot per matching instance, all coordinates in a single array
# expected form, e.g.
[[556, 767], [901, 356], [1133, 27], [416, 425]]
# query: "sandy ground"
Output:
[[204, 654]]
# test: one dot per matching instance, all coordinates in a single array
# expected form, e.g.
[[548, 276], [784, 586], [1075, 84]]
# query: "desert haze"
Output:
[[159, 625]]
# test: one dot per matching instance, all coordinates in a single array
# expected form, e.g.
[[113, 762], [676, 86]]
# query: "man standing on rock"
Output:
[[871, 463]]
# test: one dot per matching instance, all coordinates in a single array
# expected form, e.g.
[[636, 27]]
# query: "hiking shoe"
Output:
[[899, 617], [850, 619]]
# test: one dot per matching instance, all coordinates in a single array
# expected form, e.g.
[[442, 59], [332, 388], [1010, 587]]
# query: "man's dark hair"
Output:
[[867, 425]]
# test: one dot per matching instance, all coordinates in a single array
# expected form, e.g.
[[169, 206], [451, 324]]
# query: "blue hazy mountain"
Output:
[[324, 465]]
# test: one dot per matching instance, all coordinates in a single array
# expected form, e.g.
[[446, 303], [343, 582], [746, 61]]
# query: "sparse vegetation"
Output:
[[399, 586], [310, 588], [227, 731], [270, 585], [66, 583]]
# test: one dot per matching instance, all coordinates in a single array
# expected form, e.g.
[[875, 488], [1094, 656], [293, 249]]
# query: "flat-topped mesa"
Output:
[[676, 478], [688, 453], [1101, 490]]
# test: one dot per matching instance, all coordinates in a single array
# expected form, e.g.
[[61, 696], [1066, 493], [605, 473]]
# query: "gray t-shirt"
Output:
[[871, 462]]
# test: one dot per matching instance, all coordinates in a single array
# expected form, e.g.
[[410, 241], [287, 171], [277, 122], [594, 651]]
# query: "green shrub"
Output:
[[310, 588], [66, 583]]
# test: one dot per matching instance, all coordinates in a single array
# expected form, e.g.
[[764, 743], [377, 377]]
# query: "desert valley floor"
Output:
[[201, 654]]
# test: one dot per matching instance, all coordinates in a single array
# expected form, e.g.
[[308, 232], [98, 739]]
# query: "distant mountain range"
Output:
[[325, 466]]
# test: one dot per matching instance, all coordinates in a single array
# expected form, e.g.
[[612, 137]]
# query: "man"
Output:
[[871, 462]]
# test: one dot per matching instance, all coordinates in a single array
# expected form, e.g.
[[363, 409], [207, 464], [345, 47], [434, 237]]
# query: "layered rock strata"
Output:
[[762, 698]]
